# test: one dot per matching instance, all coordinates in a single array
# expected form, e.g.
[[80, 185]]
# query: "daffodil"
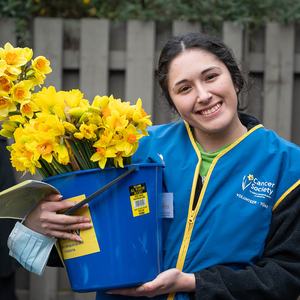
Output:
[[62, 154], [116, 121], [42, 65], [101, 102], [141, 118], [6, 104], [88, 131], [102, 154], [129, 143], [42, 147], [6, 88], [14, 58], [28, 53], [69, 127], [3, 79], [28, 108], [36, 77], [3, 66], [49, 103], [74, 98], [21, 91]]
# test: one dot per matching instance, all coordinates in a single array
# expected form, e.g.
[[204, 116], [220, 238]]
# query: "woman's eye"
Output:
[[183, 89], [211, 76]]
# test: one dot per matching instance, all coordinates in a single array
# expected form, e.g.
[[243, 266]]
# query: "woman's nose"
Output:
[[203, 94]]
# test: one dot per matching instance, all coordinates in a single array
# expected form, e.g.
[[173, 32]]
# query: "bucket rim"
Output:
[[105, 169]]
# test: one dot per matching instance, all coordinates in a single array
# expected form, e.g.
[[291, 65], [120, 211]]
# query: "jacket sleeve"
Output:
[[275, 276]]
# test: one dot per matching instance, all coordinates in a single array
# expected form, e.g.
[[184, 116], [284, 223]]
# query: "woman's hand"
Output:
[[45, 220], [167, 282]]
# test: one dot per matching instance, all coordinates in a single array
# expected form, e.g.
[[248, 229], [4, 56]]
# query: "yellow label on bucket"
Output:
[[139, 199], [89, 244]]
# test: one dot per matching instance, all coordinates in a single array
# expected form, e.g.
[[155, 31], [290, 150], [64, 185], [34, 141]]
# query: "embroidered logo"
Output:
[[258, 189]]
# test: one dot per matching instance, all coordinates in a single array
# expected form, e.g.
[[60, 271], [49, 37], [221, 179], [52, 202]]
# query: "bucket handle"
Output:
[[97, 193]]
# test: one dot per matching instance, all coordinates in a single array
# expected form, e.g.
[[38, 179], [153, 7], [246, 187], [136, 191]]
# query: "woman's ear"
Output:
[[237, 89]]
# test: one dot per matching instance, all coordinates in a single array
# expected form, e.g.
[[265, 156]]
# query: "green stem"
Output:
[[69, 169], [42, 172], [46, 167], [61, 168], [84, 153], [77, 155], [127, 160], [88, 149]]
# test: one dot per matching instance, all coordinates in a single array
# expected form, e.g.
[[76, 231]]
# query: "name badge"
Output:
[[167, 206]]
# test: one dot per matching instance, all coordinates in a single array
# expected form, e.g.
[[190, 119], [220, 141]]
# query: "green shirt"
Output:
[[207, 158]]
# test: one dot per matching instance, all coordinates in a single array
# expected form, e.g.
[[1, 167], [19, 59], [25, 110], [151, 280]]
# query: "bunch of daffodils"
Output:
[[60, 132]]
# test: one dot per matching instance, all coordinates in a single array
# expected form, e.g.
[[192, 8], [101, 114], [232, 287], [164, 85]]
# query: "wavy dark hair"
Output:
[[180, 43]]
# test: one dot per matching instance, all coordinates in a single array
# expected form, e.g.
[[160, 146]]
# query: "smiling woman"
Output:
[[226, 240]]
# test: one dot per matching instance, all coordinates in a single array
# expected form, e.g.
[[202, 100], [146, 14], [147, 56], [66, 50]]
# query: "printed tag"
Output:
[[89, 244], [139, 199], [167, 206]]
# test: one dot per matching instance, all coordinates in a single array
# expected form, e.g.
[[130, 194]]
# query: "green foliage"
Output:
[[253, 13]]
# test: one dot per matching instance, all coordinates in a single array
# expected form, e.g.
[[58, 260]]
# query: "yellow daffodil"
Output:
[[21, 91], [106, 112], [42, 65], [37, 78], [129, 143], [88, 131], [74, 98], [28, 108], [69, 127], [6, 88], [102, 102], [17, 119], [11, 76], [14, 58], [42, 147], [4, 80], [102, 154], [116, 121], [3, 66], [28, 53], [62, 155], [141, 118], [49, 103], [6, 104]]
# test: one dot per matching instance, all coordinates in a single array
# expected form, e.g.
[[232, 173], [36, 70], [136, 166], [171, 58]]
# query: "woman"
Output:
[[235, 186]]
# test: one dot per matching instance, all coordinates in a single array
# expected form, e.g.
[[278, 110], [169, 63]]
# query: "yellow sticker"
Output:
[[89, 244], [139, 199]]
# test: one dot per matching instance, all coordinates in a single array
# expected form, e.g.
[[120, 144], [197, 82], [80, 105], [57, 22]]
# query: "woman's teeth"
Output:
[[211, 110]]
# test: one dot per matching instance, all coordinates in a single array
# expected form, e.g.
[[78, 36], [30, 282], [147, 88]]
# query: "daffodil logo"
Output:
[[247, 180]]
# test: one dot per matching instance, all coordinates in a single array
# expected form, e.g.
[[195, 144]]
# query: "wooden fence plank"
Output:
[[139, 80], [48, 42], [182, 27], [278, 78], [94, 58], [7, 32], [233, 36]]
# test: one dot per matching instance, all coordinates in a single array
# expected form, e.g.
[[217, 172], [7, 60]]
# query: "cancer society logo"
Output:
[[247, 180], [259, 188]]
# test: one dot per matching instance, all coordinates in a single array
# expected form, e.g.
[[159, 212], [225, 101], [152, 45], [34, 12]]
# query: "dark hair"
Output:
[[178, 44]]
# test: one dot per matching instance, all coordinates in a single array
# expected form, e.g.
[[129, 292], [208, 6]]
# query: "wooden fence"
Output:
[[101, 58]]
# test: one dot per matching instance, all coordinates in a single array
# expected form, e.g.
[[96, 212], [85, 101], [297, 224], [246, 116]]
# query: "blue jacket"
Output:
[[230, 223]]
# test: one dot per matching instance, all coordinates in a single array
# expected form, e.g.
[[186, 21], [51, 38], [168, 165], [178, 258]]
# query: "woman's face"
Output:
[[203, 92]]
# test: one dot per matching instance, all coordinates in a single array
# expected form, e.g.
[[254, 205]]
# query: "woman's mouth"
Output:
[[211, 110]]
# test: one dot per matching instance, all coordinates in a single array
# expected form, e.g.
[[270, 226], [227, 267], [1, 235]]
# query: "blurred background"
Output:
[[111, 47]]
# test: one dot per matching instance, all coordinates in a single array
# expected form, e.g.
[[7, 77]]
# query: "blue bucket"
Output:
[[124, 247]]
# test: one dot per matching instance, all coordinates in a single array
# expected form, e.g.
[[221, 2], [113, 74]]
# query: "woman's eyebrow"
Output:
[[203, 72]]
